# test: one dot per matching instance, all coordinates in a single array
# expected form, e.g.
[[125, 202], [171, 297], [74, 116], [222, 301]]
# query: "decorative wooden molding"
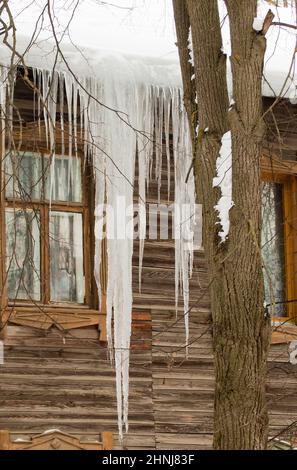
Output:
[[283, 334], [32, 137], [273, 165], [45, 318], [54, 440]]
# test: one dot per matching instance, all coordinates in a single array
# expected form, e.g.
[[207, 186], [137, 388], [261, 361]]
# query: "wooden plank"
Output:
[[4, 440], [54, 440], [283, 334]]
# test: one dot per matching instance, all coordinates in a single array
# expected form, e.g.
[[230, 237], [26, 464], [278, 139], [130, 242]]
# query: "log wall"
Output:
[[64, 380]]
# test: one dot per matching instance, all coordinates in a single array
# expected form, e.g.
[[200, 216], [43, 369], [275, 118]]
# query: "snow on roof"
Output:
[[145, 28], [160, 71], [96, 63]]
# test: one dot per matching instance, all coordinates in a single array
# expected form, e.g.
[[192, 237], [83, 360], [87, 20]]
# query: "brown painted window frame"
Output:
[[284, 172], [44, 207]]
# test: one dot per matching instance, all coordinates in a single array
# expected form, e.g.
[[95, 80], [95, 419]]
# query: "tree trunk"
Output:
[[240, 330]]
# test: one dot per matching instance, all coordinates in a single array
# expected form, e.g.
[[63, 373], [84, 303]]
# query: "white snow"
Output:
[[190, 47], [279, 74], [258, 23], [223, 180], [50, 431]]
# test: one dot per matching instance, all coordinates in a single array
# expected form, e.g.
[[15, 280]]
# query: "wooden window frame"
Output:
[[285, 173], [32, 137], [44, 208]]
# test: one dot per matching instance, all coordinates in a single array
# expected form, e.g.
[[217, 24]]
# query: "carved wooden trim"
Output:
[[283, 334], [272, 165], [45, 318], [54, 440]]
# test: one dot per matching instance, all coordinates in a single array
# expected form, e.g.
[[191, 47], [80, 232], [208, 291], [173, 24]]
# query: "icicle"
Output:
[[3, 90], [69, 88], [44, 75], [39, 87], [75, 97], [145, 123], [159, 138], [52, 108], [61, 90], [50, 93], [121, 140], [167, 108], [112, 143], [92, 115], [34, 93], [184, 205], [10, 83]]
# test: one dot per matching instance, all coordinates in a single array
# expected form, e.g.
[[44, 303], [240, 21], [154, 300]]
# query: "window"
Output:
[[273, 249], [46, 216], [279, 244]]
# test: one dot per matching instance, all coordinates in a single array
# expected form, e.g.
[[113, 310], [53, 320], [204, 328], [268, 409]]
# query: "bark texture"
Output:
[[240, 330]]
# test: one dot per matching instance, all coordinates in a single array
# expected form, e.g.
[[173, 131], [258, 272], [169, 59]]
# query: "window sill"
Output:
[[59, 316], [44, 306], [283, 333]]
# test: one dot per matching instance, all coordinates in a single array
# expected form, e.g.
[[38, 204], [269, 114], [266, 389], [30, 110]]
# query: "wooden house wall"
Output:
[[51, 380]]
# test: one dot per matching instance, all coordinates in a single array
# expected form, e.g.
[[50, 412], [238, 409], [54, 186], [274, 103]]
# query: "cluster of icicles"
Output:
[[112, 138]]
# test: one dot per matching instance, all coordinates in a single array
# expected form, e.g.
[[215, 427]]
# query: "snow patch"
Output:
[[223, 180], [49, 431], [258, 23], [190, 47]]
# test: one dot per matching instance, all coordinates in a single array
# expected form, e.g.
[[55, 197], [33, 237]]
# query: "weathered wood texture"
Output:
[[281, 122], [54, 440], [183, 389], [65, 381], [52, 379]]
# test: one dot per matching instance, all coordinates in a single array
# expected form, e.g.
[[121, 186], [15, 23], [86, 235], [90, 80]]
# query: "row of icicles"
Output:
[[145, 117]]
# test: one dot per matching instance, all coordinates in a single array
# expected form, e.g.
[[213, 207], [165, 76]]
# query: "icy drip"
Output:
[[159, 125], [2, 105], [145, 122], [111, 143], [52, 107], [38, 78], [184, 205], [120, 165], [167, 110], [43, 89], [61, 96]]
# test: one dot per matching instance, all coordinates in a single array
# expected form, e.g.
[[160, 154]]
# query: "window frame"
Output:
[[44, 207], [285, 174]]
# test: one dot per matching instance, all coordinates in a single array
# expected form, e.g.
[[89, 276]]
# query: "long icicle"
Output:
[[111, 143]]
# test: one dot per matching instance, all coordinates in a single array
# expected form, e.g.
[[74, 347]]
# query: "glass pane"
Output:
[[273, 247], [23, 254], [23, 174], [63, 182], [26, 173], [66, 257]]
